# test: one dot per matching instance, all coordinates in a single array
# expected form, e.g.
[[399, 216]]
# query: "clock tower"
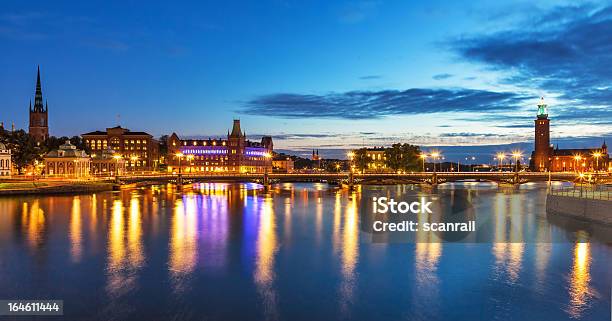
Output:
[[541, 161]]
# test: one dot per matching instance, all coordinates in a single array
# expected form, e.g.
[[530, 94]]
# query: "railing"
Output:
[[597, 192]]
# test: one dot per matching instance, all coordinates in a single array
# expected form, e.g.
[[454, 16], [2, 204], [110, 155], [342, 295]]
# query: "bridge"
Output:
[[351, 178]]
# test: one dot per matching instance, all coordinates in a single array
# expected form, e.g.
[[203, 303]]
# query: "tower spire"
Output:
[[38, 100]]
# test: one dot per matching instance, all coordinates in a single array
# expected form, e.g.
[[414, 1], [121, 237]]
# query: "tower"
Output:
[[39, 126], [237, 143], [541, 161]]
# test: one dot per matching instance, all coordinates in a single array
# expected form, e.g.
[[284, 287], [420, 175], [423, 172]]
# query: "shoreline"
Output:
[[61, 188]]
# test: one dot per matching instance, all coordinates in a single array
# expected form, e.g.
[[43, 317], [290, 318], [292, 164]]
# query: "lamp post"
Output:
[[500, 157], [516, 155], [577, 158], [423, 157], [597, 155], [117, 158], [434, 156], [179, 155]]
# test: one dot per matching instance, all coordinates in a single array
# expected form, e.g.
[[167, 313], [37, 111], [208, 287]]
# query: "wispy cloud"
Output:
[[441, 76], [370, 77], [377, 104]]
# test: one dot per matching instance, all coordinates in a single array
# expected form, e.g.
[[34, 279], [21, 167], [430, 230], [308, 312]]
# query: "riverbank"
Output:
[[586, 209], [56, 187]]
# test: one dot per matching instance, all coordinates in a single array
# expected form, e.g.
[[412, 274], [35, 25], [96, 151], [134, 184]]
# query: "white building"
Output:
[[5, 161]]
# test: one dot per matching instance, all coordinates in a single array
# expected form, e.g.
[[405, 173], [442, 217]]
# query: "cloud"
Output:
[[370, 77], [378, 104], [441, 76], [465, 134], [563, 51]]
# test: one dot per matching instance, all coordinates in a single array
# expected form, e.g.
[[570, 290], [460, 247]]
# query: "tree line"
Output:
[[25, 150], [398, 157]]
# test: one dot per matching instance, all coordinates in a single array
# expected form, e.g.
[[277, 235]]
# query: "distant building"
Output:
[[107, 162], [6, 165], [377, 159], [139, 149], [547, 158], [39, 125], [283, 165], [67, 161], [235, 154]]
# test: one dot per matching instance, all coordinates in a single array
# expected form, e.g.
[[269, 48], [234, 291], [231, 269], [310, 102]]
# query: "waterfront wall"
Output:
[[593, 210]]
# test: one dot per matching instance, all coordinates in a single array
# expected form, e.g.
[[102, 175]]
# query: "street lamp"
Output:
[[597, 155], [517, 155], [500, 157], [179, 155], [423, 157], [577, 158], [434, 156], [117, 158]]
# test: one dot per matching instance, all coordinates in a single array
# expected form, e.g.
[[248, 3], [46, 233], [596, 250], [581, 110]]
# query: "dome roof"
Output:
[[2, 146]]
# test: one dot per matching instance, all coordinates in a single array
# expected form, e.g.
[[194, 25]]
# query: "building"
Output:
[[6, 165], [376, 159], [39, 125], [283, 165], [139, 149], [107, 162], [545, 157], [67, 161], [235, 154]]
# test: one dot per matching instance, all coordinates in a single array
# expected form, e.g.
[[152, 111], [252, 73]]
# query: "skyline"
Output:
[[331, 77]]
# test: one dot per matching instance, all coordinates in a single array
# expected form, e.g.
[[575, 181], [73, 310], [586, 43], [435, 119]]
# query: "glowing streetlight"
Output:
[[117, 157], [501, 157], [423, 157], [435, 155], [517, 154], [577, 158], [179, 155], [597, 155]]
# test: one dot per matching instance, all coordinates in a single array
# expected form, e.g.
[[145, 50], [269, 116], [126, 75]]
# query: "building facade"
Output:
[[67, 161], [139, 149], [545, 157], [235, 154], [107, 163], [376, 160], [39, 124], [6, 164], [283, 165]]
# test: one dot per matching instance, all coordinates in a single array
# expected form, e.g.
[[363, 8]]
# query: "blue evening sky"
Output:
[[331, 75]]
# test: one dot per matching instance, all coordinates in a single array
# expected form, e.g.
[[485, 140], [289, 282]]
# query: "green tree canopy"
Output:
[[402, 157]]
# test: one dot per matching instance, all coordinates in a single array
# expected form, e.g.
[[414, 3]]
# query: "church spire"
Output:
[[38, 100]]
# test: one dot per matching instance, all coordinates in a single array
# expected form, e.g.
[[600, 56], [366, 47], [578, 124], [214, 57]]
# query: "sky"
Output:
[[330, 75]]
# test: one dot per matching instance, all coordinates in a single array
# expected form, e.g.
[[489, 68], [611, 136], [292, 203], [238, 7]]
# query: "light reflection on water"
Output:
[[214, 244]]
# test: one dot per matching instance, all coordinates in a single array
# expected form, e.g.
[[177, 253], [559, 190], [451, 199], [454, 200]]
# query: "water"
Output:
[[228, 252]]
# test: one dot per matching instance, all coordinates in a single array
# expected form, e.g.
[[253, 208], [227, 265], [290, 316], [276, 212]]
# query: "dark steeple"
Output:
[[38, 100], [236, 132]]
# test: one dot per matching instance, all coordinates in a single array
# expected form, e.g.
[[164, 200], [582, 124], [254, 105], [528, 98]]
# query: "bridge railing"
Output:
[[598, 192]]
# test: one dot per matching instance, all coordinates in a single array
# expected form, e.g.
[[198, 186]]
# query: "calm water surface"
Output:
[[229, 252]]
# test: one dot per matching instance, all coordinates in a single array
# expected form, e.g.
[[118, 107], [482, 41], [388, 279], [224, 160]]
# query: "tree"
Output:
[[402, 157], [23, 147], [361, 159]]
